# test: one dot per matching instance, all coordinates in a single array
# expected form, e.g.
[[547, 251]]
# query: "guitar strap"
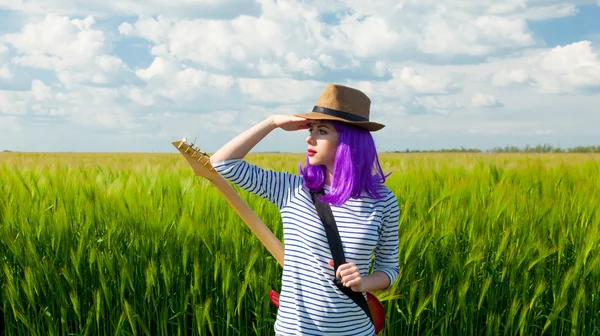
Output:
[[337, 250]]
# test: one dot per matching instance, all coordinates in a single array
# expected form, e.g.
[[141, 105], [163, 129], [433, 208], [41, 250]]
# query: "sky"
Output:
[[132, 76]]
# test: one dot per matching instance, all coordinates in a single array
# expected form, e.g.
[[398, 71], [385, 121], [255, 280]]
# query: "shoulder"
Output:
[[226, 164], [389, 194], [386, 194], [387, 202]]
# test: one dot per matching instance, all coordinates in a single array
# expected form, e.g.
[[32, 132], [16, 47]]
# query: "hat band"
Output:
[[339, 114]]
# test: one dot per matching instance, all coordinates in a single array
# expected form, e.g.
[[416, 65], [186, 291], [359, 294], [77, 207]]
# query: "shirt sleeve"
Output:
[[271, 185], [386, 251]]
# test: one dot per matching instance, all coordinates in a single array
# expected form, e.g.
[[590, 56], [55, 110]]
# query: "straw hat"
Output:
[[342, 103]]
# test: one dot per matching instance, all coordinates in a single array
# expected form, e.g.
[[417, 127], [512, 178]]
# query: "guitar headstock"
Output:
[[199, 161]]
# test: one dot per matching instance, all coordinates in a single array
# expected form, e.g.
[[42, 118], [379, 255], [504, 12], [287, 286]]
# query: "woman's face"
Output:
[[322, 143]]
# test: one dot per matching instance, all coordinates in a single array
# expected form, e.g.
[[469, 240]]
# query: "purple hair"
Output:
[[356, 167]]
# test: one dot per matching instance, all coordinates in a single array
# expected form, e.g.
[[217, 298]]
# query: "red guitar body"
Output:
[[375, 307]]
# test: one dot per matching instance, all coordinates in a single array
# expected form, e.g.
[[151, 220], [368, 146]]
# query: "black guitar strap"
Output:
[[337, 250]]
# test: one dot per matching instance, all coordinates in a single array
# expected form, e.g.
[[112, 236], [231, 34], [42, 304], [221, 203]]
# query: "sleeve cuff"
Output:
[[392, 275]]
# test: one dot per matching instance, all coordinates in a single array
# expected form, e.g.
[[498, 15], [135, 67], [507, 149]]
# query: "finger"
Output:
[[349, 270], [330, 262], [354, 283], [350, 277], [341, 270], [297, 119]]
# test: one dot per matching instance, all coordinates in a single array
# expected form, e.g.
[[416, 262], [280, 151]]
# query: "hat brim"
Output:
[[368, 125]]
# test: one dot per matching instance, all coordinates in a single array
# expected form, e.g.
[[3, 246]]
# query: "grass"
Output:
[[134, 244]]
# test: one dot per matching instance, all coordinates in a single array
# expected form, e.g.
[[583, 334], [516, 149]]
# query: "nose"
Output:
[[310, 140]]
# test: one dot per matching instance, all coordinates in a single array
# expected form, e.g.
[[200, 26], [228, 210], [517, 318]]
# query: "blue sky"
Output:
[[125, 76]]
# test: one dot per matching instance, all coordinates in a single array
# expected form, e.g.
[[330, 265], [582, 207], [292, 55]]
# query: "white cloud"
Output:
[[451, 33], [64, 40], [185, 86], [244, 42], [408, 81], [68, 46], [417, 83], [485, 100], [506, 78], [160, 67], [3, 50], [553, 11], [441, 105], [154, 30], [571, 68], [13, 102], [227, 64], [267, 69], [139, 96], [85, 106], [177, 8], [289, 37], [507, 7], [380, 69], [281, 91], [364, 37], [5, 72], [529, 112], [40, 91], [454, 28], [97, 107], [305, 65]]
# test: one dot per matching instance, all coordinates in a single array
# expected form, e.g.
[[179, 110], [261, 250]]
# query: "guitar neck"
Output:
[[264, 234]]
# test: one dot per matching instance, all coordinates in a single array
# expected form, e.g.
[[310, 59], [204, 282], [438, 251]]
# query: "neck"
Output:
[[328, 177]]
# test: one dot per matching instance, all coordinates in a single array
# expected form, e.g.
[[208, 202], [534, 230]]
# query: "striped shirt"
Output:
[[310, 303]]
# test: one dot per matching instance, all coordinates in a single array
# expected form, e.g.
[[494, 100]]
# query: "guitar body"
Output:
[[201, 165], [377, 312]]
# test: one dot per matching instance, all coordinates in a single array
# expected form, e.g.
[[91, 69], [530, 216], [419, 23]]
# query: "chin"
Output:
[[313, 161]]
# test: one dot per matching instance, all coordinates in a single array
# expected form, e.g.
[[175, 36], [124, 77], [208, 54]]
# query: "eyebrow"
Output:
[[319, 126]]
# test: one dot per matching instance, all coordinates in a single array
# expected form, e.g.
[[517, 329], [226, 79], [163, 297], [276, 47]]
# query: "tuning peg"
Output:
[[182, 142], [196, 151]]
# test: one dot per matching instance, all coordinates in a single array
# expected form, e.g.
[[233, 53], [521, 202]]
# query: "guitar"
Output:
[[201, 165]]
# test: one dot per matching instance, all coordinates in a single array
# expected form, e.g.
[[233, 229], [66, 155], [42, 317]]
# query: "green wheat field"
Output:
[[135, 244]]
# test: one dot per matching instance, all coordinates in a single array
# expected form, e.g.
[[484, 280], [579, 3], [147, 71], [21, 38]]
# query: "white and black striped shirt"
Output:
[[310, 303]]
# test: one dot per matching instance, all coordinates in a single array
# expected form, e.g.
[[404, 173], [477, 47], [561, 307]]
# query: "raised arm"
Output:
[[239, 146], [229, 162]]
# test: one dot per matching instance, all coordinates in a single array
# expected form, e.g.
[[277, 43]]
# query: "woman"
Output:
[[341, 159]]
